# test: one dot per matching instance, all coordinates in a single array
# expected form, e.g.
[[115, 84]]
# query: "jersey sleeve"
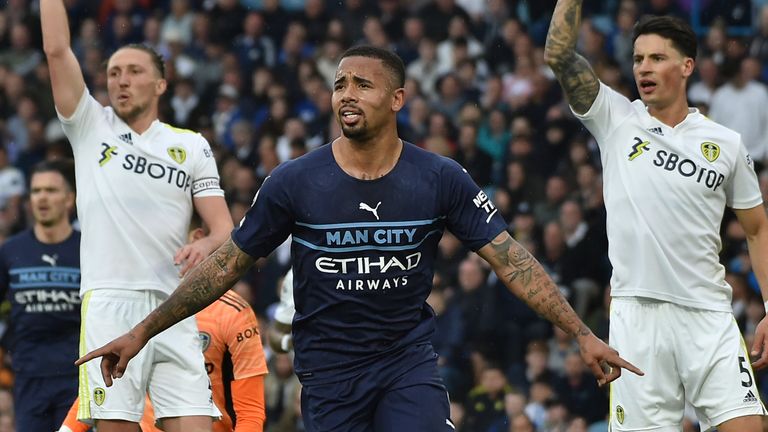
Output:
[[285, 309], [269, 221], [205, 181], [241, 335], [471, 215], [86, 113], [743, 191], [606, 113]]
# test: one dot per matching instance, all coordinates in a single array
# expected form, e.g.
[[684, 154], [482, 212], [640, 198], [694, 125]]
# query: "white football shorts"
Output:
[[170, 368], [687, 354]]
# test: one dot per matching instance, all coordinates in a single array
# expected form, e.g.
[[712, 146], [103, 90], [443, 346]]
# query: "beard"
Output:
[[359, 132], [130, 114]]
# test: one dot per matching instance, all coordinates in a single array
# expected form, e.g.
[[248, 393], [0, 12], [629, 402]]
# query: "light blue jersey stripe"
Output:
[[25, 285], [370, 224], [44, 269]]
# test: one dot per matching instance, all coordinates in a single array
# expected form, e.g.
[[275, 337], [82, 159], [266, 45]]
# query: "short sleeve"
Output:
[[205, 180], [269, 220], [606, 113], [86, 113], [743, 191], [471, 215]]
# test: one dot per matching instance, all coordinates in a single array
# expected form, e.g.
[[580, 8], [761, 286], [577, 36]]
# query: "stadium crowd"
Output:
[[255, 78]]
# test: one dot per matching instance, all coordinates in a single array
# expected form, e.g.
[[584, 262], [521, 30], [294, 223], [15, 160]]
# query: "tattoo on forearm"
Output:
[[525, 276], [204, 284], [578, 79]]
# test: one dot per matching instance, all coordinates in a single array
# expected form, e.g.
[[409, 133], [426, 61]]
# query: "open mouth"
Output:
[[349, 116], [647, 86]]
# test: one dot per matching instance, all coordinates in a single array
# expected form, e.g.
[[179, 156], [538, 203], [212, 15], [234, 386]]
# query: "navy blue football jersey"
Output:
[[363, 250], [42, 282]]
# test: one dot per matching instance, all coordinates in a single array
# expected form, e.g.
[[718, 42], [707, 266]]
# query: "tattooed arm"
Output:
[[202, 286], [576, 76], [526, 278]]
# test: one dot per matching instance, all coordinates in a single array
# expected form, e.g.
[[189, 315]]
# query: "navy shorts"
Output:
[[402, 393], [42, 403]]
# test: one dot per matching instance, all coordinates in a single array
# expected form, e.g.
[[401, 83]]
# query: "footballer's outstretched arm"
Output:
[[578, 79], [66, 77], [526, 278], [201, 287]]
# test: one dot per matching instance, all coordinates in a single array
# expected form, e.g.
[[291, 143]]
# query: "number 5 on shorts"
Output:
[[745, 370]]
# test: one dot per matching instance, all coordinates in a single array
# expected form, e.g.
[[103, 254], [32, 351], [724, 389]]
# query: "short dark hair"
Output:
[[391, 60], [65, 167], [675, 29], [157, 59]]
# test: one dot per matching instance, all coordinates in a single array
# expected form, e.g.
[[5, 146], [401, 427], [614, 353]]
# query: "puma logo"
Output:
[[375, 210], [50, 259]]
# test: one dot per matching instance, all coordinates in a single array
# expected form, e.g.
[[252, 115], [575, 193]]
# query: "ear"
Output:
[[688, 66], [70, 201], [160, 86], [398, 99]]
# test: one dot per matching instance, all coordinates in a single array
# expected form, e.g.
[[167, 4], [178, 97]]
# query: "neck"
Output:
[[368, 160], [53, 234], [142, 122], [671, 115]]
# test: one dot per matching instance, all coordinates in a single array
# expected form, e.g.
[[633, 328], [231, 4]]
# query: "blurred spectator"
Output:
[[437, 15], [425, 69], [556, 193], [485, 403], [742, 105], [701, 91], [281, 389], [477, 163], [758, 47], [448, 340], [534, 375], [579, 391], [514, 405], [11, 192], [21, 56], [253, 48]]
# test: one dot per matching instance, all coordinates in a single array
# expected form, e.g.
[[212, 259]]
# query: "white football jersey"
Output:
[[134, 196], [665, 192], [286, 309]]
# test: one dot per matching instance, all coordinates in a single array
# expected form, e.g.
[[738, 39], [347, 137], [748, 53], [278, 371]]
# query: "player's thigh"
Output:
[[419, 408], [178, 383], [640, 332], [31, 405], [718, 378], [106, 315], [345, 406]]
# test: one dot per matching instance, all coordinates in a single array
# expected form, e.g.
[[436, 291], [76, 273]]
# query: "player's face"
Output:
[[364, 98], [50, 198], [660, 70], [133, 83]]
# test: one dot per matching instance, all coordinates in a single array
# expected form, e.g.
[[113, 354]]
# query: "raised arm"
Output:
[[526, 278], [201, 287], [576, 76], [66, 77]]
